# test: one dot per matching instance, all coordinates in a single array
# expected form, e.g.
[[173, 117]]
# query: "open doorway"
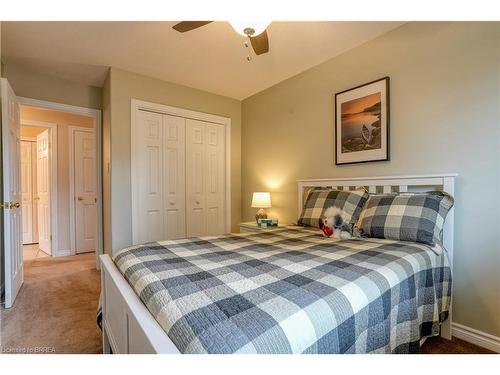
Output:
[[38, 176], [59, 187], [12, 264]]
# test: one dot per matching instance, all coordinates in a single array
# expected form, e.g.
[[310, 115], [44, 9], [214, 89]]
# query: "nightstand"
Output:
[[251, 226]]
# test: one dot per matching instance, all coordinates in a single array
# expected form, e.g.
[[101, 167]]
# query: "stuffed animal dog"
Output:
[[332, 224]]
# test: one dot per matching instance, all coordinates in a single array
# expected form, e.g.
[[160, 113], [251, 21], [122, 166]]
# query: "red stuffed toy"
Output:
[[325, 228]]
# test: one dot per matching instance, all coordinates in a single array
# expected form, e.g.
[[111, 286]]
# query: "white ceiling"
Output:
[[212, 58]]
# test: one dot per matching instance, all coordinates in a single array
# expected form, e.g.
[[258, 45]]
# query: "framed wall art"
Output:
[[362, 123]]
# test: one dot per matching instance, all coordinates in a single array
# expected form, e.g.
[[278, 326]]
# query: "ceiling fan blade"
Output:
[[184, 26], [260, 43]]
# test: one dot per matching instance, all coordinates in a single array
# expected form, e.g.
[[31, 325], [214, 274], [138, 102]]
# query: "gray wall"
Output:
[[444, 118], [123, 87], [31, 84]]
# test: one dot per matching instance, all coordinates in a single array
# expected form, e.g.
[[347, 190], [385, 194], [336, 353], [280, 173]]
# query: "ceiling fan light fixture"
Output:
[[249, 28]]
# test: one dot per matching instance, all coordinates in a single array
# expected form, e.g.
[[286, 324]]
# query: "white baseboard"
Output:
[[482, 339], [64, 253]]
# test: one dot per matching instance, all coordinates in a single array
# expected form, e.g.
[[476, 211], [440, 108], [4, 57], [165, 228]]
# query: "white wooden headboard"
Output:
[[387, 184]]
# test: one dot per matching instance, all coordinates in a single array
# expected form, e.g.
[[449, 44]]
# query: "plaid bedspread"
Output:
[[291, 291]]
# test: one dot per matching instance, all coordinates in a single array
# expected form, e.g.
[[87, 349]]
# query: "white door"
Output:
[[195, 178], [27, 192], [205, 178], [159, 186], [215, 179], [11, 165], [174, 176], [149, 213], [178, 183], [43, 191], [34, 206], [85, 191]]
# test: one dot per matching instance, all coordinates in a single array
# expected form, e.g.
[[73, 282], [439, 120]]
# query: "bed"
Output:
[[288, 290]]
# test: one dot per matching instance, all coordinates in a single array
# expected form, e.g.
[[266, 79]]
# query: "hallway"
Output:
[[56, 307]]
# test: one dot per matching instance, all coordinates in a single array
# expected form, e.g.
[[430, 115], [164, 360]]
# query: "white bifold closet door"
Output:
[[150, 221], [174, 179], [205, 176], [179, 186], [160, 177]]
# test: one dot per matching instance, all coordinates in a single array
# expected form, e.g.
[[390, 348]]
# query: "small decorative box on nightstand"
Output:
[[251, 226]]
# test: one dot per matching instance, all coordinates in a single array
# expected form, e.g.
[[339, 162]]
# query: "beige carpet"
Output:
[[57, 304], [32, 251], [55, 308]]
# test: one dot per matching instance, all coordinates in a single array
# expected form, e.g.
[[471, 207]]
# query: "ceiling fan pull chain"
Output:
[[249, 57]]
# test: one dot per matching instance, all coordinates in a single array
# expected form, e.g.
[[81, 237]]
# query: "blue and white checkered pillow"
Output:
[[416, 217], [351, 203]]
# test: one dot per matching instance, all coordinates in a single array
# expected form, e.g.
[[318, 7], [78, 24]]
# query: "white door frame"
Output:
[[136, 105], [72, 212], [96, 115], [53, 179]]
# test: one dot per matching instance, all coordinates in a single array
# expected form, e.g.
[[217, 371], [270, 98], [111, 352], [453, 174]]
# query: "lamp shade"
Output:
[[261, 199]]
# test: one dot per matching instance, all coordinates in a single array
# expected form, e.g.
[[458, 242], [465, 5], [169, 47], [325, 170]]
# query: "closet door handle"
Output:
[[10, 205], [197, 202], [80, 198]]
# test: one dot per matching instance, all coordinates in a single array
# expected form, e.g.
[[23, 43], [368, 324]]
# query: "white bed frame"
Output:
[[128, 326]]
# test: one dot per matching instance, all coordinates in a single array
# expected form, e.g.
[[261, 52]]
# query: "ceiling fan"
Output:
[[255, 31]]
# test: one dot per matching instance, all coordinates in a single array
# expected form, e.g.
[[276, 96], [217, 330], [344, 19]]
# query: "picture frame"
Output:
[[362, 115]]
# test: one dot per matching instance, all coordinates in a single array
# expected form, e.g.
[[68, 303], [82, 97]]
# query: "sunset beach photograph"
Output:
[[362, 123], [361, 126]]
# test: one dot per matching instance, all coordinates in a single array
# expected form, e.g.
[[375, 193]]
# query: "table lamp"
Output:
[[261, 200]]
